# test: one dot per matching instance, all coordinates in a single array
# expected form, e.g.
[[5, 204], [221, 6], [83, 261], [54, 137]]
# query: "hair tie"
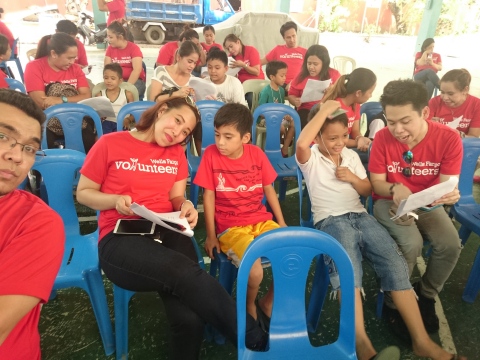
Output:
[[347, 77]]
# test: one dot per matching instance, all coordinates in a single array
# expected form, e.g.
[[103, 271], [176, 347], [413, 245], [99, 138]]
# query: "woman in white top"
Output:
[[177, 75]]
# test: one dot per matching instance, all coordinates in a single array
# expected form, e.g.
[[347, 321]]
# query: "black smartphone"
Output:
[[134, 227]]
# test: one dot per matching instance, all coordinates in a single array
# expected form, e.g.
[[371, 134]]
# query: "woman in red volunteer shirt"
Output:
[[55, 62], [246, 57], [127, 54], [316, 66], [427, 64], [455, 107]]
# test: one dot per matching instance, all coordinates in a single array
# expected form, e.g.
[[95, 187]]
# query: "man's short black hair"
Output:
[[67, 27], [287, 26], [404, 92], [236, 115], [22, 102], [4, 44]]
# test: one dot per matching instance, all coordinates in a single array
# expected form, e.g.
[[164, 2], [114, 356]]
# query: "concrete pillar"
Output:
[[283, 6], [99, 17], [431, 14]]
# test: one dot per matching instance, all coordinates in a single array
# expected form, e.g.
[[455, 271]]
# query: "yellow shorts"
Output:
[[235, 240]]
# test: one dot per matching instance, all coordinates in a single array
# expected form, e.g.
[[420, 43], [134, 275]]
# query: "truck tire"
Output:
[[155, 35]]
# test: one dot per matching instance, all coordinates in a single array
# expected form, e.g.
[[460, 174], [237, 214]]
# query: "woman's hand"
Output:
[[448, 199], [183, 92], [123, 205], [296, 102], [237, 63], [189, 212], [50, 101]]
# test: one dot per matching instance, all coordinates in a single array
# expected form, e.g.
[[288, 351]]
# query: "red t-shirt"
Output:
[[353, 115], [440, 152], [297, 86], [251, 58], [3, 83], [124, 58], [208, 47], [31, 250], [166, 54], [81, 58], [38, 74], [468, 112], [5, 31], [116, 9], [146, 172], [238, 185], [293, 57], [437, 59]]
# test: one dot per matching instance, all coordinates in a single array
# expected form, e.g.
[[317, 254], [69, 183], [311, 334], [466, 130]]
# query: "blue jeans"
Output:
[[429, 78], [141, 87], [109, 126], [363, 237]]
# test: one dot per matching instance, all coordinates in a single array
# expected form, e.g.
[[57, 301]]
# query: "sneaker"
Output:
[[256, 342], [396, 323], [427, 310]]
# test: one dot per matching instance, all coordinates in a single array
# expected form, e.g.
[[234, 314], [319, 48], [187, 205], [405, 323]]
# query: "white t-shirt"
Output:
[[230, 91], [328, 195]]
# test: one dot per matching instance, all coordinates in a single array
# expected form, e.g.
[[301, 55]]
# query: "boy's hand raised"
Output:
[[210, 244], [330, 106]]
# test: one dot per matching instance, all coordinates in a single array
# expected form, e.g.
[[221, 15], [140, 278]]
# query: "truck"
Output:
[[157, 20]]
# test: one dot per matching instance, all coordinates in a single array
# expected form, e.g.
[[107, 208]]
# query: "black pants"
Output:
[[303, 114], [190, 295], [89, 136]]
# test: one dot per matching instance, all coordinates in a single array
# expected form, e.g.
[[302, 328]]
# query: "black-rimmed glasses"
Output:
[[8, 142], [408, 158]]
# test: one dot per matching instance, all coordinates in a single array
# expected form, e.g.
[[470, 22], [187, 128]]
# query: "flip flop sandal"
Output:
[[389, 353]]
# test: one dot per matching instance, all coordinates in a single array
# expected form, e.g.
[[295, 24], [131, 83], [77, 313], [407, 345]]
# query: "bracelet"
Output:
[[184, 203], [356, 138], [393, 185]]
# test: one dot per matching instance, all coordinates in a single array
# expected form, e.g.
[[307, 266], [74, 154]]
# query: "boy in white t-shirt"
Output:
[[229, 88]]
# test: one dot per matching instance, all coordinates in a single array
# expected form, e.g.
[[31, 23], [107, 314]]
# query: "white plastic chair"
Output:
[[344, 64]]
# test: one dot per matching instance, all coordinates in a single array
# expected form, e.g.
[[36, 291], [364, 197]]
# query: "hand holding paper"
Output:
[[202, 88], [314, 90]]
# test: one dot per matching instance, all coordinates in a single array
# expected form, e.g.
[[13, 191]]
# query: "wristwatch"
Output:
[[64, 99]]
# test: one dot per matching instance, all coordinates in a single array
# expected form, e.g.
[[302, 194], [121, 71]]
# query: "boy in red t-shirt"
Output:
[[236, 176], [409, 155]]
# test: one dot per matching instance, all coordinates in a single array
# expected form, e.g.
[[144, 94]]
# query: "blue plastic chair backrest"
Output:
[[70, 116], [15, 85], [274, 113], [136, 108], [58, 170], [471, 153], [14, 49], [208, 109], [291, 251], [371, 109], [308, 213]]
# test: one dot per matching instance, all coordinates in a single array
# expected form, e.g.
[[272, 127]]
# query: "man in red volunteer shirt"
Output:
[[115, 8], [31, 234], [290, 53], [409, 155]]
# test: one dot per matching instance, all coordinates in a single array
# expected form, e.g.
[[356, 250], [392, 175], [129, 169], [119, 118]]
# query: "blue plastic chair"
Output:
[[120, 304], [467, 212], [15, 85], [70, 116], [18, 64], [136, 108], [291, 251], [80, 266], [208, 109], [285, 167], [371, 109]]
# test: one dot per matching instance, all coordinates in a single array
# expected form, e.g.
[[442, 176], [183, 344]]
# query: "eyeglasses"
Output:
[[7, 143], [407, 157]]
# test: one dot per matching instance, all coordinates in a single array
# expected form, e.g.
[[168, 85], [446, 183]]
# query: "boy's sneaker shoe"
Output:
[[259, 343], [427, 310], [396, 323]]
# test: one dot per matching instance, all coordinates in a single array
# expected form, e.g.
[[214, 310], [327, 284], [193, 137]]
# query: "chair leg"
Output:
[[282, 191], [317, 296], [194, 190], [464, 233], [380, 297], [473, 283], [96, 291], [120, 304]]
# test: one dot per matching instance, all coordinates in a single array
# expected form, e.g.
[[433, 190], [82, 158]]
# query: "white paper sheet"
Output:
[[160, 218], [232, 71], [425, 197], [101, 105], [202, 88], [314, 90]]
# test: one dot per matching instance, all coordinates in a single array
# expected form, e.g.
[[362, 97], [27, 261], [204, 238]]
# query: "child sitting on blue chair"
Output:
[[335, 178], [236, 176]]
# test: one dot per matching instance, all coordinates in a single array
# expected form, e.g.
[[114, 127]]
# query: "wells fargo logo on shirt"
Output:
[[292, 55], [158, 166], [419, 168]]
